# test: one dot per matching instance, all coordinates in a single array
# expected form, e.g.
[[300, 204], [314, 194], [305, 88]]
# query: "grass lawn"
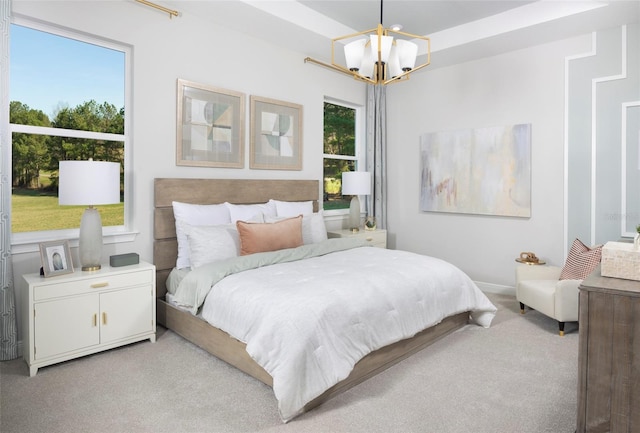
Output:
[[36, 210]]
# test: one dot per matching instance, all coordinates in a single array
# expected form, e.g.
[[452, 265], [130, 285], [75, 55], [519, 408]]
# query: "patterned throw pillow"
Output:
[[581, 261]]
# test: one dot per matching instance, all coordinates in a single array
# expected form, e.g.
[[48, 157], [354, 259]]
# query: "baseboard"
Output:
[[496, 288]]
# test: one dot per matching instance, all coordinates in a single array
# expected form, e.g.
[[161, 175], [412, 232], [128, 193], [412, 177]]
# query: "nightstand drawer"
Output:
[[376, 238], [86, 285]]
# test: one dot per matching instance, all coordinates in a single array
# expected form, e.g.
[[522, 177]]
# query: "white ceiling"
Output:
[[459, 30]]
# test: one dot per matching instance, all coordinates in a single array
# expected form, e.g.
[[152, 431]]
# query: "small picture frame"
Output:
[[276, 135], [56, 258], [210, 126]]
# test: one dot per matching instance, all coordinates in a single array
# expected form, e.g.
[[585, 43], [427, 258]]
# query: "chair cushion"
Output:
[[539, 295], [581, 261]]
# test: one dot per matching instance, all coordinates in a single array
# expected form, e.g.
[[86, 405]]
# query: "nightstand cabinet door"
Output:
[[65, 325], [81, 313], [125, 313]]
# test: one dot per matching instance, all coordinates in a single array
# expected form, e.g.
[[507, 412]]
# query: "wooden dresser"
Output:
[[609, 359]]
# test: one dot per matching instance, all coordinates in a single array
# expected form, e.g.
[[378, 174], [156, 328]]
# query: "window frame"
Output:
[[360, 147], [29, 241]]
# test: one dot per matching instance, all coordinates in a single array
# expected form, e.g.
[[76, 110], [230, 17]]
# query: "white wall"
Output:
[[604, 202], [525, 86], [190, 47]]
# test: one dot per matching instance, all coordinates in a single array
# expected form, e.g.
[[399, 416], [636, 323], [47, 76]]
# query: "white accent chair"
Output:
[[539, 287]]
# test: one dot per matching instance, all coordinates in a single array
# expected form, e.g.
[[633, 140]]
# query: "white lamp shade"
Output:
[[385, 47], [356, 183], [394, 63], [368, 62], [88, 183], [353, 53], [407, 53]]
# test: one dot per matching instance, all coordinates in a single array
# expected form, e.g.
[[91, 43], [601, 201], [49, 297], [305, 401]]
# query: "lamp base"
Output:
[[354, 214], [90, 245]]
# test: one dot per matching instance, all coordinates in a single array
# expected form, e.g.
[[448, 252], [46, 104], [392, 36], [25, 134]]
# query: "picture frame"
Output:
[[55, 257], [210, 126], [276, 134]]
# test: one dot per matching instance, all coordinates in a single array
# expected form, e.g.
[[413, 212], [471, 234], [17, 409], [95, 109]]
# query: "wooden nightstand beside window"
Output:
[[377, 238], [73, 315]]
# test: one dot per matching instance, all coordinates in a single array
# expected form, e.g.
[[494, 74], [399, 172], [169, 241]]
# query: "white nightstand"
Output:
[[377, 238], [77, 314]]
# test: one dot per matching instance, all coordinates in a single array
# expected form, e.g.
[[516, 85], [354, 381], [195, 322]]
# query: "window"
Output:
[[342, 150], [67, 102]]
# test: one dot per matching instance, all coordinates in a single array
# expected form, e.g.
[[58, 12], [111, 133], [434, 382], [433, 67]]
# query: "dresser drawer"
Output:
[[92, 284]]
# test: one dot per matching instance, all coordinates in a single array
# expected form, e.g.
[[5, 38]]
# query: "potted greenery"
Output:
[[370, 223], [636, 238]]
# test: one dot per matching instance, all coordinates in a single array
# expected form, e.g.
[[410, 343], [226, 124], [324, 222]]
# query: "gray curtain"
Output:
[[377, 152], [8, 327]]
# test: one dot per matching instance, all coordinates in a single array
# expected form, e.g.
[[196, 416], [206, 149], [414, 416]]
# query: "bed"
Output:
[[235, 351]]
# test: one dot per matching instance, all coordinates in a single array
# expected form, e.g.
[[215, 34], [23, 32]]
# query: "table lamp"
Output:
[[89, 183], [355, 183]]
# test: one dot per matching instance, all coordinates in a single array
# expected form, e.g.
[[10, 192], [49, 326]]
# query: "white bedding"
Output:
[[308, 322]]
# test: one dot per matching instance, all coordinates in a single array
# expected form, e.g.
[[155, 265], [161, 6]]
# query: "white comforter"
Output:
[[308, 322]]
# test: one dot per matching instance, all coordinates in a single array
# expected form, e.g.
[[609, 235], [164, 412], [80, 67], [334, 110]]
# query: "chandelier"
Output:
[[378, 56]]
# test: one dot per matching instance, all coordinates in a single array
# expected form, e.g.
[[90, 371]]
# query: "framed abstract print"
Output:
[[276, 135], [210, 126]]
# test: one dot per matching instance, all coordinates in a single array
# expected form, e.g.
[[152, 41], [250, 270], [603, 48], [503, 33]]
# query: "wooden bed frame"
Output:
[[219, 343]]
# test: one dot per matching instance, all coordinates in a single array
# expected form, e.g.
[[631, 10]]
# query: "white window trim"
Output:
[[361, 153], [29, 242]]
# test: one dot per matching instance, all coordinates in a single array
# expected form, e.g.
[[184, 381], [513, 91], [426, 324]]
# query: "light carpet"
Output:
[[518, 376]]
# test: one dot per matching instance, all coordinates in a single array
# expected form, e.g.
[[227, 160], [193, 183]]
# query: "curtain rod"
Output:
[[172, 13]]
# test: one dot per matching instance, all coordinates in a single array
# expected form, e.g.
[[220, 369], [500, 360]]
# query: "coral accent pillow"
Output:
[[313, 227], [263, 237], [581, 261]]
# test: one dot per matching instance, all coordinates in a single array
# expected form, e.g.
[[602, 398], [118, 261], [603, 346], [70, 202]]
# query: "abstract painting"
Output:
[[210, 128], [276, 135], [485, 171]]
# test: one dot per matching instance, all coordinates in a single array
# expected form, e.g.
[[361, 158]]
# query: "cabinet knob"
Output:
[[99, 285]]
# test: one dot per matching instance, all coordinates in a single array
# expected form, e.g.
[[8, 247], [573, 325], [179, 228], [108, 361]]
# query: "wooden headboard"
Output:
[[212, 191]]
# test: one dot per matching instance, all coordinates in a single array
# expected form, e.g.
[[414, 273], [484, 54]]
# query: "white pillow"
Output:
[[251, 212], [313, 227], [198, 215], [208, 244], [292, 208]]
